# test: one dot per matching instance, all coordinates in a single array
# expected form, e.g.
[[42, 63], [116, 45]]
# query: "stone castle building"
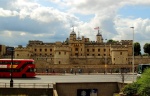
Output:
[[79, 52]]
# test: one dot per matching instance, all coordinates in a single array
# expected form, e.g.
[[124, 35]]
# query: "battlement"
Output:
[[21, 48], [118, 48], [126, 41]]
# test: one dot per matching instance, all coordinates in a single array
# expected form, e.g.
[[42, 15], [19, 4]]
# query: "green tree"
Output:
[[131, 89], [140, 87], [137, 49], [111, 41], [147, 48], [144, 82]]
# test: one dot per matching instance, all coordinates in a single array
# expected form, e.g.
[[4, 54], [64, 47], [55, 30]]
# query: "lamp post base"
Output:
[[11, 83]]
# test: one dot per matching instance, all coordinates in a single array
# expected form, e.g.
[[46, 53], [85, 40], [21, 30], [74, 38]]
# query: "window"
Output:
[[98, 54], [120, 53], [104, 50], [59, 53], [98, 50], [93, 54], [65, 53], [50, 50], [76, 49], [45, 50], [34, 49], [114, 58], [93, 50], [40, 50], [87, 50], [76, 54], [87, 54]]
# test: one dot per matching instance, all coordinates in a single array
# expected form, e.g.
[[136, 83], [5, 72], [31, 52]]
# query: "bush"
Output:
[[140, 87], [144, 82], [131, 89]]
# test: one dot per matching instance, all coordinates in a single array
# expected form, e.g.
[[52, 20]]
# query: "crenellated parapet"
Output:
[[127, 42]]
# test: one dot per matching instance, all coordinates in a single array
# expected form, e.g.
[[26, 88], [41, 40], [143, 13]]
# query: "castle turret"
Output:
[[72, 36], [99, 37]]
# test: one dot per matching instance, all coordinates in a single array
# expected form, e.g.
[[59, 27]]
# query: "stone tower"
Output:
[[99, 37], [72, 36]]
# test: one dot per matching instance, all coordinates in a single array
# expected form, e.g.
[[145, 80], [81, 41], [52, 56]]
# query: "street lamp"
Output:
[[105, 57], [133, 54], [11, 71]]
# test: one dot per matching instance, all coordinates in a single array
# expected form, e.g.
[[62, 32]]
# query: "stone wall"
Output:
[[103, 88]]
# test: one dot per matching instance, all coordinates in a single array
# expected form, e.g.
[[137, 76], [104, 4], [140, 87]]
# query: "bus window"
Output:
[[30, 70], [141, 68]]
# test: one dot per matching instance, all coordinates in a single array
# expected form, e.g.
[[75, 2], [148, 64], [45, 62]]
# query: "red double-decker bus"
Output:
[[19, 68]]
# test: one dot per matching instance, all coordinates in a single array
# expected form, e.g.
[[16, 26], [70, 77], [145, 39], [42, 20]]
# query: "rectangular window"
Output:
[[76, 49], [98, 50], [87, 50], [76, 54], [104, 50], [120, 53], [40, 50], [93, 50], [50, 50], [59, 53], [98, 54]]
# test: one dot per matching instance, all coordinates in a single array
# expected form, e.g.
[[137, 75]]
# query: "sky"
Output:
[[52, 20]]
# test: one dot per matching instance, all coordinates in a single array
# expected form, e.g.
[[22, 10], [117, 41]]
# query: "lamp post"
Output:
[[133, 54], [11, 71], [105, 57]]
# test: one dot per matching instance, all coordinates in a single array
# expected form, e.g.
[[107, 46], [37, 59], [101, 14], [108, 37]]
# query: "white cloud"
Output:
[[7, 13], [31, 20]]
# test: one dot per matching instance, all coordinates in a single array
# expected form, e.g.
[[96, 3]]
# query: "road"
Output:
[[72, 78]]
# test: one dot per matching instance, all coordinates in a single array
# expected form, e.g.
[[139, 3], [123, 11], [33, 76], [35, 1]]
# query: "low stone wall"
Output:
[[65, 68], [67, 89]]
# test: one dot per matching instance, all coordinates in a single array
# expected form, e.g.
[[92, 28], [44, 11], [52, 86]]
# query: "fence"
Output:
[[27, 85]]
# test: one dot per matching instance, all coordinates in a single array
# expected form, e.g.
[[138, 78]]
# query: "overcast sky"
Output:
[[52, 20]]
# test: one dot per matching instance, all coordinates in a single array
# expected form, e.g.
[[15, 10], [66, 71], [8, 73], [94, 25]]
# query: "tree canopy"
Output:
[[144, 82], [147, 48], [140, 87], [111, 41], [137, 49]]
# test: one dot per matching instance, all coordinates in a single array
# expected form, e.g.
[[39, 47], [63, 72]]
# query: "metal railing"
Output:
[[27, 85]]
